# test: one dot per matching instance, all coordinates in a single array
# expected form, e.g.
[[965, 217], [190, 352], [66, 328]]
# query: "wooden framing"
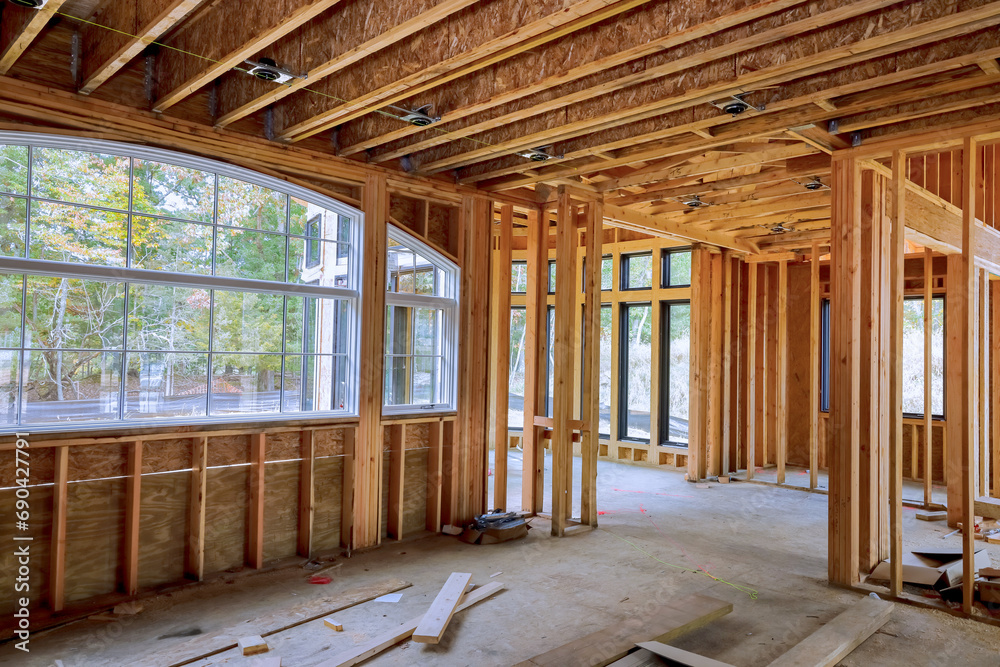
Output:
[[57, 553], [781, 369], [255, 541], [194, 563], [814, 346], [590, 410], [928, 358], [307, 494], [966, 440], [896, 253], [133, 512], [752, 379], [500, 353], [535, 344], [31, 22], [397, 459]]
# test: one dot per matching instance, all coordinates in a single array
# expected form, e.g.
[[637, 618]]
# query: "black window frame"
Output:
[[623, 373], [623, 272], [583, 274], [664, 406], [944, 361], [824, 355], [520, 262], [665, 267], [523, 404]]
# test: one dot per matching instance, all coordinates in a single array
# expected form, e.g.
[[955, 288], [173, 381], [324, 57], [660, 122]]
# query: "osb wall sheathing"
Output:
[[442, 226], [283, 446], [163, 519], [415, 491], [166, 455], [93, 546], [328, 476], [41, 461], [39, 529], [226, 508], [97, 461], [224, 450], [281, 509], [329, 442]]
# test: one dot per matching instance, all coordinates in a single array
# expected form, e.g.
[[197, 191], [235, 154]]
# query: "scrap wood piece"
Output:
[[835, 640], [252, 645], [681, 657], [608, 645], [208, 645], [640, 658], [439, 614], [375, 646]]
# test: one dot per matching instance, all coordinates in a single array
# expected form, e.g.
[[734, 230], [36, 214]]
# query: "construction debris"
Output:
[[932, 515], [940, 568], [494, 527], [333, 624], [436, 619], [252, 645], [838, 638]]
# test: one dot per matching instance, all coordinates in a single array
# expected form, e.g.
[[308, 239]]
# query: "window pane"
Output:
[[251, 206], [10, 362], [314, 262], [427, 331], [425, 374], [604, 397], [519, 277], [638, 271], [679, 369], [172, 191], [245, 254], [607, 268], [68, 313], [552, 277], [247, 322], [166, 318], [316, 325], [166, 245], [937, 356], [245, 383], [424, 277], [14, 169], [550, 371], [76, 234], [679, 267], [400, 266], [637, 332], [396, 384], [13, 221], [515, 399], [314, 382], [81, 178], [11, 291], [913, 356], [70, 386], [165, 384]]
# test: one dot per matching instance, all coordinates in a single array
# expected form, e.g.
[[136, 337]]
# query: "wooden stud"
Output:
[[194, 561], [590, 386], [897, 252], [501, 354], [57, 549], [435, 448], [397, 469], [955, 319], [534, 360], [928, 394], [781, 369], [728, 344], [133, 512], [984, 408], [562, 362], [347, 494], [814, 361], [714, 417], [255, 543], [307, 493], [751, 441], [967, 436], [995, 385]]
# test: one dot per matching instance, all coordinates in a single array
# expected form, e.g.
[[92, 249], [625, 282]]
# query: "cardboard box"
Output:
[[940, 568], [989, 591]]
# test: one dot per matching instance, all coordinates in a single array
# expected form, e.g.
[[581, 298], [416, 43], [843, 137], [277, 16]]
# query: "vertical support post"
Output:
[[562, 357], [814, 329], [57, 550], [367, 501], [781, 369], [845, 373], [133, 501], [701, 310], [764, 366], [590, 411], [966, 440], [397, 457], [194, 566], [954, 387], [432, 519], [501, 354], [713, 377], [751, 361], [995, 383], [896, 258], [728, 407], [255, 544], [928, 396], [347, 490], [534, 360], [984, 383], [307, 491]]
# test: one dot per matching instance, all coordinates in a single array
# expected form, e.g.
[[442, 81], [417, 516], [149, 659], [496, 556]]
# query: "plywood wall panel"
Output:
[[226, 517], [95, 519], [283, 446], [281, 509], [385, 493], [327, 477], [40, 530], [96, 461], [329, 442], [798, 407], [166, 455], [163, 527], [414, 489], [224, 450]]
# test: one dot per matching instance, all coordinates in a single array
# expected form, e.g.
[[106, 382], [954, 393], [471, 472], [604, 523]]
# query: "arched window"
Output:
[[421, 327], [141, 285]]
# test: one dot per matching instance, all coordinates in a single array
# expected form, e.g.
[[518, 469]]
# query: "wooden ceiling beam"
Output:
[[121, 30], [223, 37], [305, 118], [244, 95], [599, 74], [747, 193], [20, 27], [841, 56], [616, 216], [751, 207], [934, 106]]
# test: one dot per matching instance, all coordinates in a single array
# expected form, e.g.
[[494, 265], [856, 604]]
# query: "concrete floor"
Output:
[[765, 547]]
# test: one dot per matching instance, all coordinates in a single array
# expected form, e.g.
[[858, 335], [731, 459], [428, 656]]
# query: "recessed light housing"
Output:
[[420, 116], [735, 104], [266, 69], [29, 4], [539, 154]]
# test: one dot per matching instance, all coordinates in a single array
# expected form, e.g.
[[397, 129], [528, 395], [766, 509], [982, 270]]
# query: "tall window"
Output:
[[142, 285], [913, 356], [421, 338], [824, 356], [675, 369], [637, 271], [518, 277], [604, 387], [515, 398], [636, 371], [550, 361]]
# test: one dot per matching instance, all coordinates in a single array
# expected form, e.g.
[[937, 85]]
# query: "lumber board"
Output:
[[378, 644], [835, 640], [436, 620], [209, 645], [640, 658], [614, 642], [680, 656]]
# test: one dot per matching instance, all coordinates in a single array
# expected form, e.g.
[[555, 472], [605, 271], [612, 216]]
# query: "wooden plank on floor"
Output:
[[392, 637], [640, 658], [680, 656], [436, 620], [835, 640], [613, 642]]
